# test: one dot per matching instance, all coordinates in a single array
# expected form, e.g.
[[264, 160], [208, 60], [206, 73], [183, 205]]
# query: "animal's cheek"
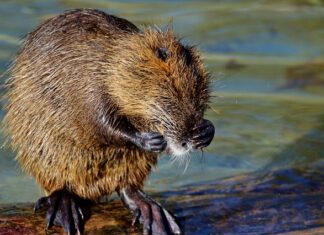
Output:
[[157, 126]]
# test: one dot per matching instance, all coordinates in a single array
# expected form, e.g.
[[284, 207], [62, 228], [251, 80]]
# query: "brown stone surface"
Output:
[[108, 218]]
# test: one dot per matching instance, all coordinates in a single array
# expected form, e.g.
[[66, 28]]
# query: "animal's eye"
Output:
[[162, 53]]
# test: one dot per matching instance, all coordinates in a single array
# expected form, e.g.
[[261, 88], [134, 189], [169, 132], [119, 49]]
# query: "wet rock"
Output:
[[287, 201], [107, 218]]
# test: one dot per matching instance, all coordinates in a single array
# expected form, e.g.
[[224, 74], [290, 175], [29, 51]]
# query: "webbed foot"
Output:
[[155, 219], [64, 209]]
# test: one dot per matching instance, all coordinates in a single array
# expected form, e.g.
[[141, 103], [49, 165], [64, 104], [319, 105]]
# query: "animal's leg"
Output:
[[155, 219]]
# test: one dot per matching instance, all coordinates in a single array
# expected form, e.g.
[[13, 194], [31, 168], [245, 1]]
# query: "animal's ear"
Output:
[[162, 53]]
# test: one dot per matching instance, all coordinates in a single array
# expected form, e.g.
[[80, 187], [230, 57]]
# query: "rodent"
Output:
[[92, 100]]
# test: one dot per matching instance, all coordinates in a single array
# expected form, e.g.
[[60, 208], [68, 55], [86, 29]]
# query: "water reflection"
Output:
[[306, 151]]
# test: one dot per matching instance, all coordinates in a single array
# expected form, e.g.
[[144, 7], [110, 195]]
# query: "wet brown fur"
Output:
[[83, 71]]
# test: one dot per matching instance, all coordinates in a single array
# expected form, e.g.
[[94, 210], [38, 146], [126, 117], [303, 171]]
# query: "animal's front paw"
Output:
[[203, 134], [150, 141]]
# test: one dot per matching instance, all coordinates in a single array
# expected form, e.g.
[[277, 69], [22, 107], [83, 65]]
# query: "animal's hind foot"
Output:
[[65, 209], [155, 219]]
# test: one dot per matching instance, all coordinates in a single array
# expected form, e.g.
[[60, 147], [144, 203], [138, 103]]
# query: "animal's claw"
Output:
[[155, 219], [150, 141], [203, 134], [63, 209]]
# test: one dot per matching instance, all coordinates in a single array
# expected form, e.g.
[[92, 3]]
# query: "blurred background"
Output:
[[267, 64]]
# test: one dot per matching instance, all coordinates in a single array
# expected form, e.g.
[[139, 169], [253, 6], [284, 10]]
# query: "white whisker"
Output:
[[163, 115], [179, 155]]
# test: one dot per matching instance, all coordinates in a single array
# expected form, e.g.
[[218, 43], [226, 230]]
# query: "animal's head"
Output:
[[163, 86]]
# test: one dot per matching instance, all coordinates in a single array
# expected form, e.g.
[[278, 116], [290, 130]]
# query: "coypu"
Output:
[[92, 100]]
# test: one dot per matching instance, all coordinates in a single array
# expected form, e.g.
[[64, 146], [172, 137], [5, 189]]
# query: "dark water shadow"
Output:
[[274, 203]]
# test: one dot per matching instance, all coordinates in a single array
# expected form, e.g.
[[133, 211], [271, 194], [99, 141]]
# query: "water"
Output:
[[266, 60]]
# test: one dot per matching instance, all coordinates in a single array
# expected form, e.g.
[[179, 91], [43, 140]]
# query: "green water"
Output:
[[266, 60]]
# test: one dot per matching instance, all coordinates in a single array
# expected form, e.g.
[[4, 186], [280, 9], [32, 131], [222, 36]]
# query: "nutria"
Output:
[[92, 100]]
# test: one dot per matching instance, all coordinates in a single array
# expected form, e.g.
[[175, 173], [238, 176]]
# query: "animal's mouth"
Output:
[[177, 149], [179, 152]]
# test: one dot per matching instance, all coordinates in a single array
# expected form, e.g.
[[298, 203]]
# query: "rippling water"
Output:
[[267, 63]]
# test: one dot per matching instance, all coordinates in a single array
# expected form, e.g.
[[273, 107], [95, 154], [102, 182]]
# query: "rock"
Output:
[[108, 218], [287, 201]]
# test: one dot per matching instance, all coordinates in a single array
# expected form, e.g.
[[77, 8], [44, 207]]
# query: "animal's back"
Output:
[[56, 97]]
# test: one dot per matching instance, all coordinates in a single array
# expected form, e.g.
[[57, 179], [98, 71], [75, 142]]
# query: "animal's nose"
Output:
[[184, 144]]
